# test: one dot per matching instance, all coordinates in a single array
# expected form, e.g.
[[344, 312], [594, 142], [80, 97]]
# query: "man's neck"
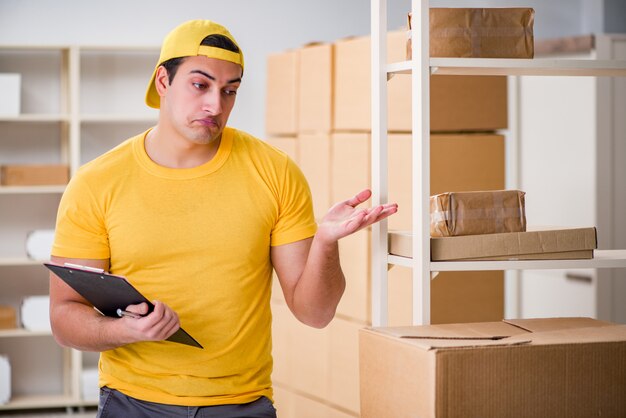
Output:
[[168, 149]]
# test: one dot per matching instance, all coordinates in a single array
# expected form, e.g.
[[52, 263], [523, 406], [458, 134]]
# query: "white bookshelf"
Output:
[[77, 102]]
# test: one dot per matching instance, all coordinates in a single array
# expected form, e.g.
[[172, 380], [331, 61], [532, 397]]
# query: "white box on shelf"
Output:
[[10, 86], [34, 313], [90, 390], [5, 380], [39, 244]]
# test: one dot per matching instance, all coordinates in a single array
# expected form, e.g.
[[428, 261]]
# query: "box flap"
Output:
[[456, 335], [594, 334], [553, 324]]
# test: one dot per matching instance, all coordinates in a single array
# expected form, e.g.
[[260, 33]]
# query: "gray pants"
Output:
[[114, 404]]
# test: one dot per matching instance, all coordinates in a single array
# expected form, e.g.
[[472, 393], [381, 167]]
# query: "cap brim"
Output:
[[152, 96]]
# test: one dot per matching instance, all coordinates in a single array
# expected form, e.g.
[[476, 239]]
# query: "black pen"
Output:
[[121, 313]]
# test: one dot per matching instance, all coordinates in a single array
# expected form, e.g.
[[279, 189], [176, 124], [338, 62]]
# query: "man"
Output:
[[196, 214]]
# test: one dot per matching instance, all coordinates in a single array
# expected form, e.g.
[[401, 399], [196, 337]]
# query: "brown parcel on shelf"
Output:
[[480, 33], [8, 319], [34, 175], [554, 367], [473, 213], [535, 244]]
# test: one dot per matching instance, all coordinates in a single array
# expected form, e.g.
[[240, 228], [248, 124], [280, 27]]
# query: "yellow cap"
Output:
[[185, 41]]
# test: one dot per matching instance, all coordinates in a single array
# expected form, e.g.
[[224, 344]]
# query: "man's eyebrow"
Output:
[[210, 77]]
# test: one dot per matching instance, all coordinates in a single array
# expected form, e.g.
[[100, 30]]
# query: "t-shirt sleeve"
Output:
[[296, 220], [80, 228]]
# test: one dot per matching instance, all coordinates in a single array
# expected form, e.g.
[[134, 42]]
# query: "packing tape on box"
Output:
[[35, 313], [39, 244], [481, 212], [5, 380]]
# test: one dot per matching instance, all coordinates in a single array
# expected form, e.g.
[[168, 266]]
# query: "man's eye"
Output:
[[230, 92], [199, 86]]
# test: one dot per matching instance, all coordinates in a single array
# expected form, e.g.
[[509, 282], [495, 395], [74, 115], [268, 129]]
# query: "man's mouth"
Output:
[[211, 122]]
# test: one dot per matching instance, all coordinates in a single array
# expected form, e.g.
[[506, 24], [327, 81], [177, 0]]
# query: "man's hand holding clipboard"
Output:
[[111, 295]]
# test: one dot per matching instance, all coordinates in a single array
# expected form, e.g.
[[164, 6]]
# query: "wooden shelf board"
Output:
[[19, 261], [21, 332], [118, 118], [40, 401], [31, 189], [36, 118]]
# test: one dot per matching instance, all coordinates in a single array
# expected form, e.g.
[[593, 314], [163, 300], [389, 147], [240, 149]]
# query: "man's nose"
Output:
[[213, 102]]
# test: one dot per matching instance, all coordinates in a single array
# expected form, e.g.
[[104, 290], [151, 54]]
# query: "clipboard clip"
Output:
[[87, 268]]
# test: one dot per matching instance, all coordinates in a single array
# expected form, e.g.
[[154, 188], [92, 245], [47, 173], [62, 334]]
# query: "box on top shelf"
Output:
[[477, 212], [458, 103], [534, 244], [34, 174], [547, 367], [479, 33], [10, 99]]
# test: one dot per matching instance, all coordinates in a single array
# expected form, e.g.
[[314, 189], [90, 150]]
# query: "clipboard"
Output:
[[108, 293]]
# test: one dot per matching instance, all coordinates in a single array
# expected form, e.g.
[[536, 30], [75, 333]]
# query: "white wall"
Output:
[[260, 27]]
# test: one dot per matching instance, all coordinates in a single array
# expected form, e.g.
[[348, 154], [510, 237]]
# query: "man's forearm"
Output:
[[79, 326], [321, 285]]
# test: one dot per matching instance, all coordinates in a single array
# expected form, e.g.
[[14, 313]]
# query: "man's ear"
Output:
[[161, 81]]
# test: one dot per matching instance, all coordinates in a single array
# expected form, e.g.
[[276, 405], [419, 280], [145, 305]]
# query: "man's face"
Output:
[[200, 98]]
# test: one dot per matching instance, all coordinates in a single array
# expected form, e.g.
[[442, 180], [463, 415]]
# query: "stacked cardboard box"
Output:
[[552, 367], [318, 112]]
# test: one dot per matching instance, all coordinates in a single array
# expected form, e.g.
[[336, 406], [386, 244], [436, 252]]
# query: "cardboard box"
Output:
[[468, 103], [300, 353], [555, 367], [355, 255], [480, 33], [534, 244], [460, 162], [315, 85], [281, 110], [344, 364], [10, 99], [455, 296], [8, 317], [288, 144], [480, 212], [457, 103], [316, 164], [351, 164], [34, 175]]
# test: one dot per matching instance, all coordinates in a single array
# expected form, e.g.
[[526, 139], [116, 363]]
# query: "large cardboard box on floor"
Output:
[[554, 367]]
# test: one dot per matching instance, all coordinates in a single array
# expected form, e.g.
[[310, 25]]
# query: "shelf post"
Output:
[[379, 158], [420, 92]]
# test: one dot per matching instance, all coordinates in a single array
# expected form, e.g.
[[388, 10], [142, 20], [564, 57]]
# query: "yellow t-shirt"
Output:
[[199, 240]]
